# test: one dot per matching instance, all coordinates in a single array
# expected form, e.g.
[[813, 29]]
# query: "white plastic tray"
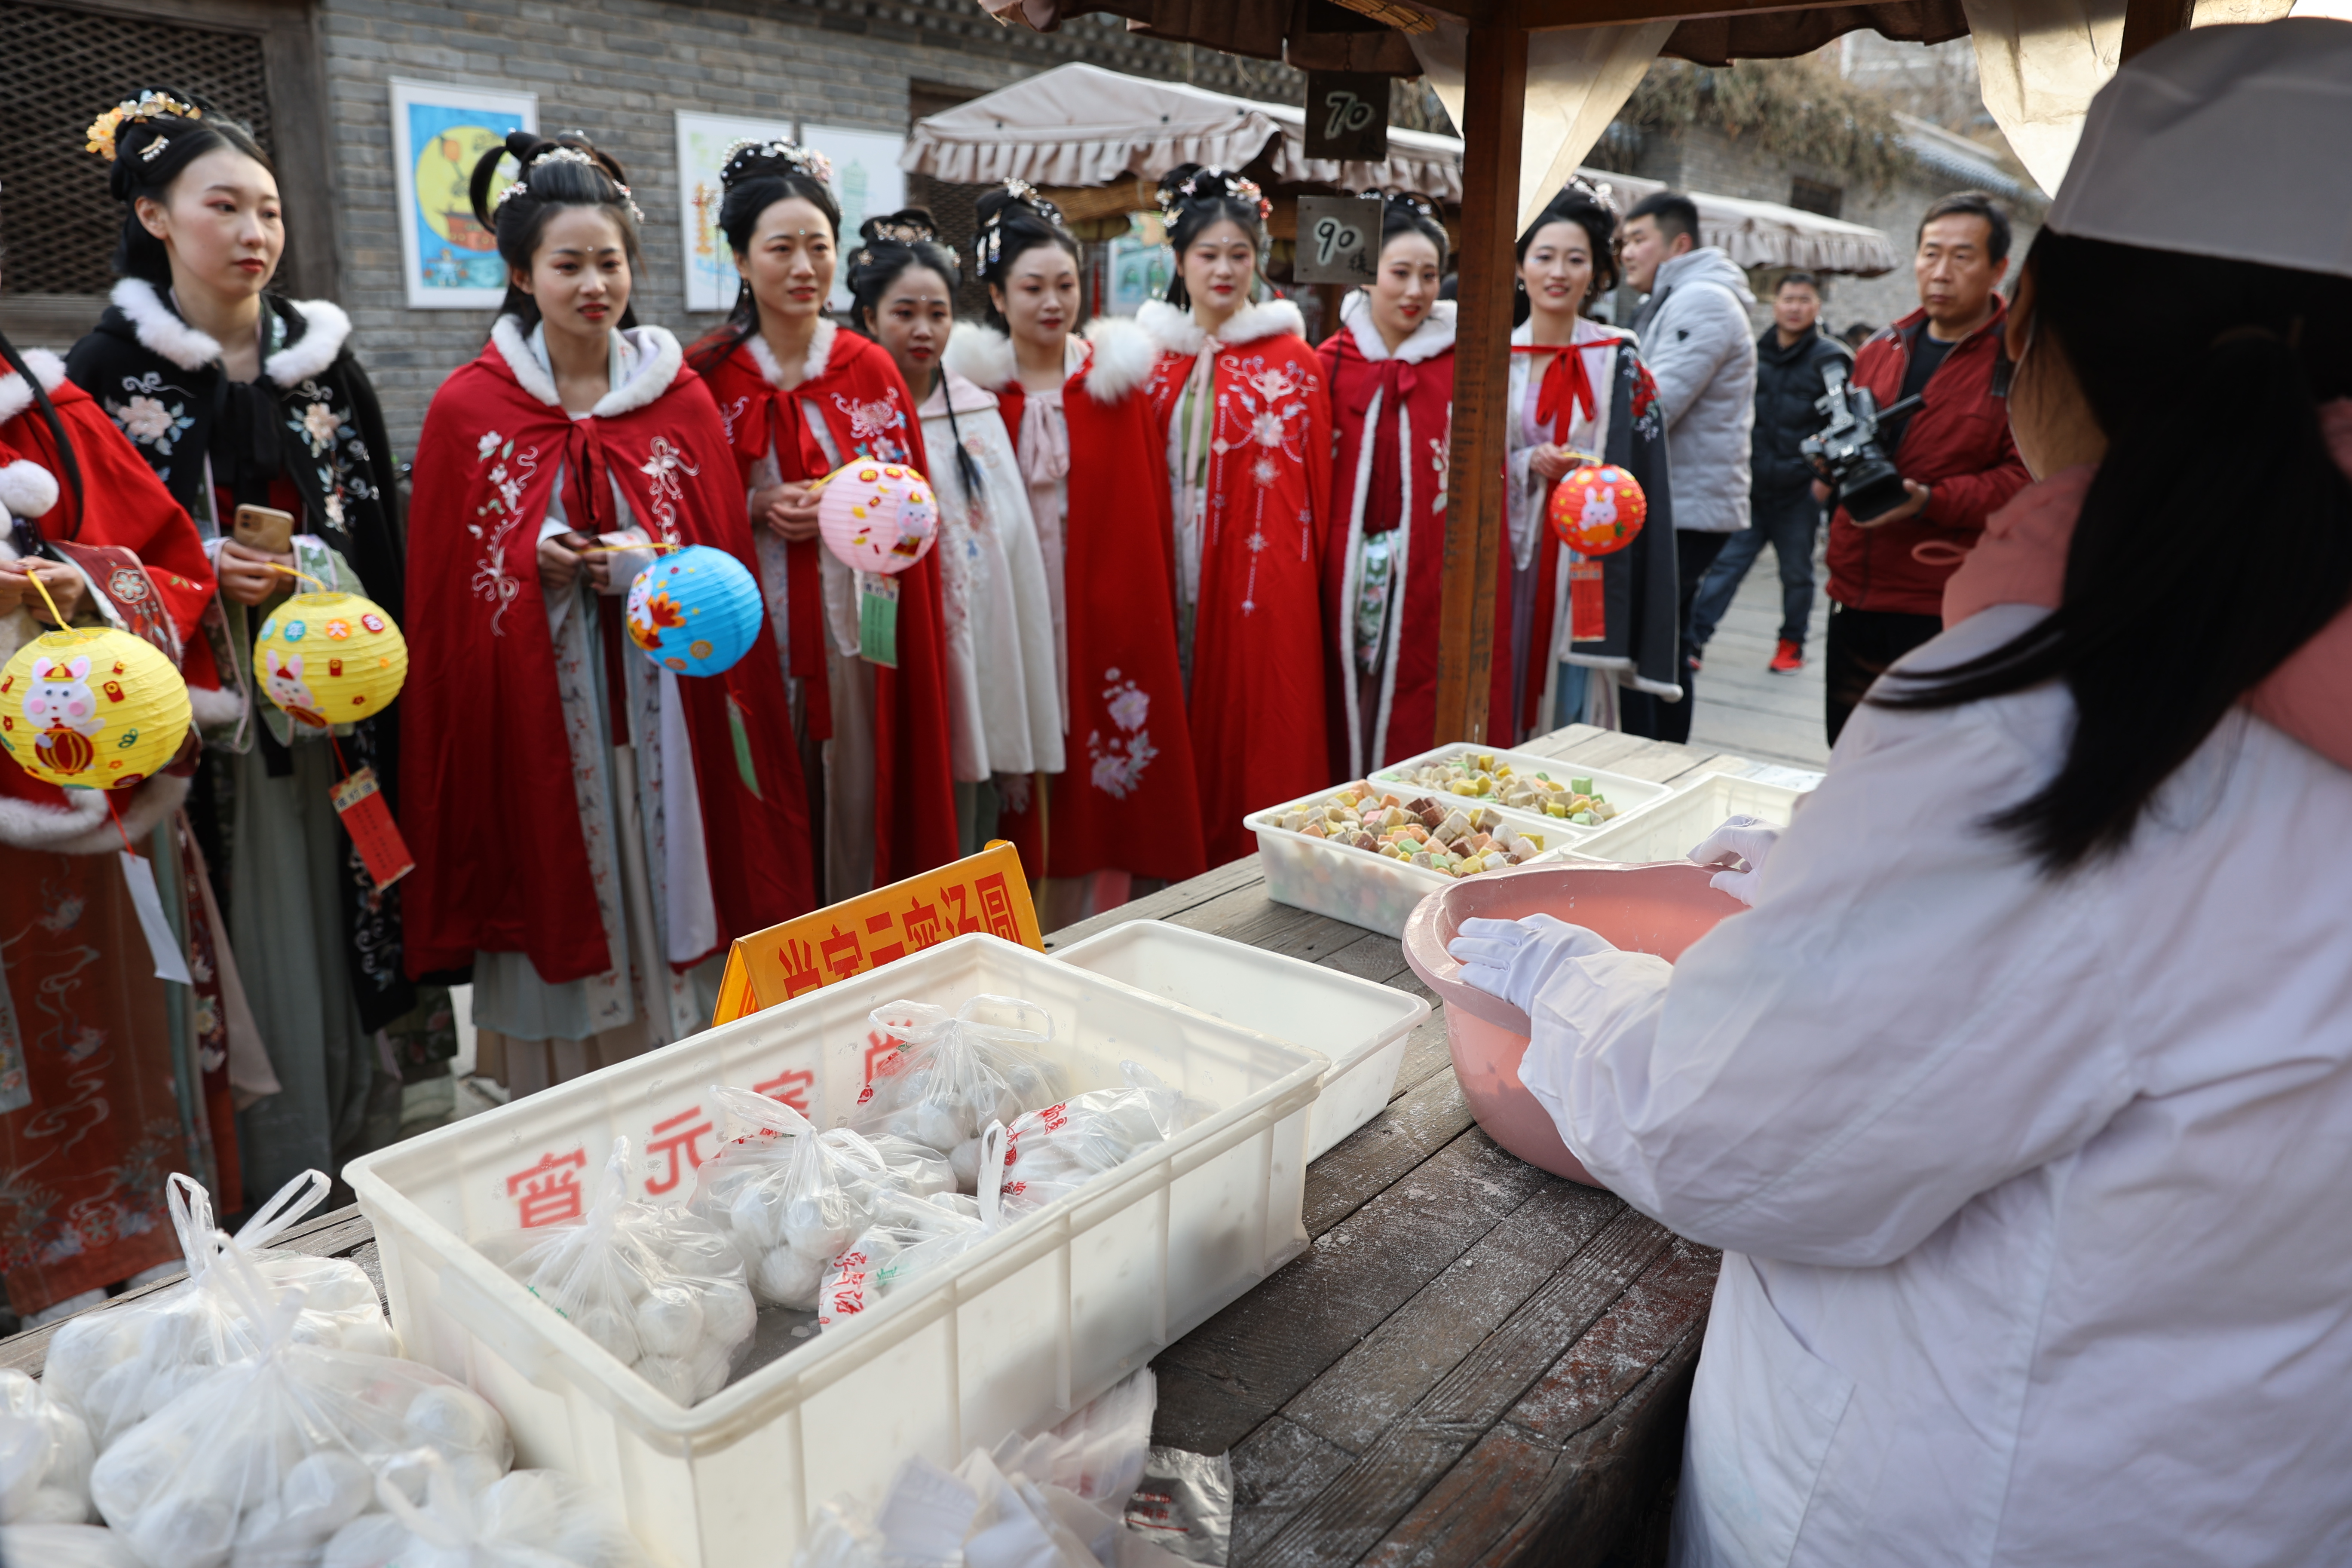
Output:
[[1010, 1336], [1673, 829], [1627, 794], [1361, 1025], [1353, 885]]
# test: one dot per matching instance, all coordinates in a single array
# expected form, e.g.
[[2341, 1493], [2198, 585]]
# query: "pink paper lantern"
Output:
[[878, 517]]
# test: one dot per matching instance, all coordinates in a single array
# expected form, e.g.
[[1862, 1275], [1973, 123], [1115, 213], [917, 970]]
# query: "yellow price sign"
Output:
[[986, 891]]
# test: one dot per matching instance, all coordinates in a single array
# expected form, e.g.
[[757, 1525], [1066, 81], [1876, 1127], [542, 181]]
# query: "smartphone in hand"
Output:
[[265, 529]]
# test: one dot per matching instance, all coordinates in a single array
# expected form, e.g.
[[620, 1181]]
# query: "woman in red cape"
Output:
[[1392, 373], [800, 397], [89, 1118], [1127, 805], [1247, 420], [589, 831]]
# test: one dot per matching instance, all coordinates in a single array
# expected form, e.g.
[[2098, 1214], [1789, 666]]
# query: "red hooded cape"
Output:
[[868, 412], [1422, 385], [1257, 699], [1129, 799], [501, 859]]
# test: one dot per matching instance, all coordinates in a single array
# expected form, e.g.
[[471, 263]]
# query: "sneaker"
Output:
[[1692, 661], [1789, 657]]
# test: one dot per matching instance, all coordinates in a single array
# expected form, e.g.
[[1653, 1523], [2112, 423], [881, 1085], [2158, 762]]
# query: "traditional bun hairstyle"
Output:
[[1404, 213], [755, 177], [562, 170], [891, 247], [1193, 199], [149, 140], [1014, 221], [1592, 209]]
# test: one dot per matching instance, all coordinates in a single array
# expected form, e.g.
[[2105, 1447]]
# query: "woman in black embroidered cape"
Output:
[[269, 407]]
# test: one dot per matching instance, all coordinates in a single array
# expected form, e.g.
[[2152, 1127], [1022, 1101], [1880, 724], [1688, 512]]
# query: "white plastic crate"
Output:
[[1370, 890], [1010, 1336], [1626, 792], [1359, 1023], [1673, 829]]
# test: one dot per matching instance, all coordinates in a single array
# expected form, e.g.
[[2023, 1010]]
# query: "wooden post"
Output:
[[1493, 105], [2149, 22]]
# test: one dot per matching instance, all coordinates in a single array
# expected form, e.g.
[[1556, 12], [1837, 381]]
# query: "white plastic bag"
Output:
[[1056, 1151], [263, 1462], [661, 1289], [954, 1073], [906, 1239], [64, 1546], [526, 1519], [119, 1366], [1099, 1450], [791, 1198], [44, 1456]]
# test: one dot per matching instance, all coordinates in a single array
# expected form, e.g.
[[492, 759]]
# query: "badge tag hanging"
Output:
[[359, 801], [162, 943], [877, 619]]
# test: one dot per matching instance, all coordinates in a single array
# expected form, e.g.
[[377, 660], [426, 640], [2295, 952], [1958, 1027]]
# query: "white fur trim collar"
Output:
[[981, 355], [658, 359], [80, 826], [1124, 355], [16, 396], [162, 330], [820, 354], [1176, 332], [1432, 338]]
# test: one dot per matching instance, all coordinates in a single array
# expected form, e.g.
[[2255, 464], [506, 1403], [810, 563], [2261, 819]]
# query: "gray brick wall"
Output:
[[619, 68]]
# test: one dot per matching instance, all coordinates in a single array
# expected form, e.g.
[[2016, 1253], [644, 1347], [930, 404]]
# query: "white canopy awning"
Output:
[[1080, 125]]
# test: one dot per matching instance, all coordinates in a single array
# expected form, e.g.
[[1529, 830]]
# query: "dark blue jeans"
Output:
[[1788, 526]]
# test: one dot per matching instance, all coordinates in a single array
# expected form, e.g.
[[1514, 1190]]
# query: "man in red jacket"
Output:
[[1958, 462]]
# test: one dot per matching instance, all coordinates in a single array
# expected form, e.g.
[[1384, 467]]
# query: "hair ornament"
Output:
[[1225, 183], [1604, 194], [805, 160], [147, 105], [989, 244], [557, 153]]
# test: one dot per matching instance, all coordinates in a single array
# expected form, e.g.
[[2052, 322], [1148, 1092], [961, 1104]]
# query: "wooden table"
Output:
[[1473, 1363]]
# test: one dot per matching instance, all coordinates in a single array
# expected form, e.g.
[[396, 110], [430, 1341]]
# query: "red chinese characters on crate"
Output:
[[680, 1134], [549, 1192]]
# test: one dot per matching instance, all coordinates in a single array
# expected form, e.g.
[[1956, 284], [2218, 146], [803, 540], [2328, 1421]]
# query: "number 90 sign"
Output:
[[1338, 240]]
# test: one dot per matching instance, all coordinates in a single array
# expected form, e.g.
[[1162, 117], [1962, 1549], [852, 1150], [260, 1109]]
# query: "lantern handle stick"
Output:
[[43, 587], [657, 546], [304, 575]]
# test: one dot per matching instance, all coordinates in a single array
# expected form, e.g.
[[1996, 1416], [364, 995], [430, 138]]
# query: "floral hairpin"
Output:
[[1604, 194], [1227, 184], [990, 243], [903, 232], [147, 105], [806, 160]]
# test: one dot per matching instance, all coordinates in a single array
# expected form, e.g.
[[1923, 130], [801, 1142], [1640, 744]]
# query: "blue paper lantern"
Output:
[[695, 611]]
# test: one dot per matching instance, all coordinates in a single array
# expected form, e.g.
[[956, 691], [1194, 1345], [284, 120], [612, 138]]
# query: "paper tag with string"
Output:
[[877, 619], [163, 943], [1588, 602], [359, 801]]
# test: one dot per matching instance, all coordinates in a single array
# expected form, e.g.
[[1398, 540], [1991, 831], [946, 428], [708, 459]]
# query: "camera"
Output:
[[1846, 449]]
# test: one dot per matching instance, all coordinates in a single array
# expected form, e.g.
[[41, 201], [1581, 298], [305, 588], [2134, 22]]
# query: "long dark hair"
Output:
[[1588, 210], [891, 247], [2179, 597], [1404, 213], [1193, 199], [1014, 221], [29, 538], [755, 177], [142, 169], [565, 170]]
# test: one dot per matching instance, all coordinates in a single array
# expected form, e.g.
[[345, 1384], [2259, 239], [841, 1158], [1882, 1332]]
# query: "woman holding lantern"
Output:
[[800, 398], [1091, 456], [1579, 393], [237, 398], [1247, 418], [589, 828]]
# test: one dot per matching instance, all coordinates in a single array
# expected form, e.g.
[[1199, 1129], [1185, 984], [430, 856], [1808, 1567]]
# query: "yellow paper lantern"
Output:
[[92, 707], [330, 659]]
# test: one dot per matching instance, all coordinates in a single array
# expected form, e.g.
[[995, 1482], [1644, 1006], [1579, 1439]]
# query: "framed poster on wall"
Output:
[[866, 182], [703, 143], [438, 132]]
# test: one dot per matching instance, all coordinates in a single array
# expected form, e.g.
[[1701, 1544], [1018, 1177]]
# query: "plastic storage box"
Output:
[[1361, 1025], [1673, 829], [1018, 1331], [1353, 885], [1627, 794]]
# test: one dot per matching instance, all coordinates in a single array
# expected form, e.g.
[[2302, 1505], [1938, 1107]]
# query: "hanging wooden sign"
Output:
[[1338, 240], [1347, 116]]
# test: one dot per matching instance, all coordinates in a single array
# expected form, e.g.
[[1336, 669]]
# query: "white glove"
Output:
[[1515, 960], [1742, 844]]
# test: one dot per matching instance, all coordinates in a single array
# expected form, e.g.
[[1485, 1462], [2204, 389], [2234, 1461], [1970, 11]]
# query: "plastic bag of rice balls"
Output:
[[954, 1073], [905, 1238], [1054, 1151], [45, 1456], [265, 1462], [526, 1519], [661, 1289], [790, 1197], [118, 1367]]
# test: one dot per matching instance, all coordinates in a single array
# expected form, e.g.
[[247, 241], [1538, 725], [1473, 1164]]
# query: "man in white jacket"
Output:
[[1701, 352]]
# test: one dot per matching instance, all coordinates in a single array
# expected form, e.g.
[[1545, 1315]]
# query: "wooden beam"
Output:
[[1553, 15], [2149, 22], [1494, 106]]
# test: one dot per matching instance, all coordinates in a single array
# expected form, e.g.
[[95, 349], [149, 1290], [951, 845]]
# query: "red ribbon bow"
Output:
[[1566, 385]]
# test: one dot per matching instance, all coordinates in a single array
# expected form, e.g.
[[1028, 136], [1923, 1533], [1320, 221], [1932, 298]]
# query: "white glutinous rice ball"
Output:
[[788, 1277], [127, 1478], [116, 1399], [753, 1217], [729, 1312], [668, 1320], [964, 1162], [941, 1124], [453, 1419], [371, 1338], [816, 1228], [184, 1533], [670, 1374], [371, 1541], [52, 1505], [82, 1350], [329, 1488], [708, 1366], [614, 1328]]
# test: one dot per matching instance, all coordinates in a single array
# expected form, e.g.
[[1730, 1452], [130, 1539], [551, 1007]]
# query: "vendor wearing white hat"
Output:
[[2021, 1100]]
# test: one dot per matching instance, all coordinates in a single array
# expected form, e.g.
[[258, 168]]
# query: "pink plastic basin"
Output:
[[1659, 908]]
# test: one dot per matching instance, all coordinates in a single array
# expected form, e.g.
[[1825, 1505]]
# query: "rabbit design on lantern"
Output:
[[288, 692], [61, 701]]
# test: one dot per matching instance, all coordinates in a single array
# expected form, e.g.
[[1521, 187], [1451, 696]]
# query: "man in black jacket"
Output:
[[1790, 358]]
